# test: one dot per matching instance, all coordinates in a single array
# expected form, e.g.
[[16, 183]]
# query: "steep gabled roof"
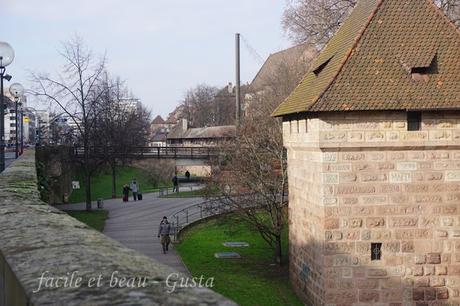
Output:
[[370, 62], [158, 120], [296, 55]]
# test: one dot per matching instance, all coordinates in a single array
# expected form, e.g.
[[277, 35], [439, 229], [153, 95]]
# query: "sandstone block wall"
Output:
[[362, 178]]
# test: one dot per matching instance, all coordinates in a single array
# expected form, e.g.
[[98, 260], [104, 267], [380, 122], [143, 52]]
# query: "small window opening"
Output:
[[376, 251], [414, 121], [422, 74], [321, 67]]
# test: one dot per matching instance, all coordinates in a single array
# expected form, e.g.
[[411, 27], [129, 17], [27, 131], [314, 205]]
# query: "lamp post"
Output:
[[16, 90], [6, 57], [22, 127]]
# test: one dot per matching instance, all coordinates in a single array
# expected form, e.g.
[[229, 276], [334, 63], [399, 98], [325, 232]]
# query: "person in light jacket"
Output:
[[163, 232], [134, 188]]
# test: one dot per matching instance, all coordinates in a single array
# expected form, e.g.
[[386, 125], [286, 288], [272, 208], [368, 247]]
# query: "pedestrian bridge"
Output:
[[202, 153]]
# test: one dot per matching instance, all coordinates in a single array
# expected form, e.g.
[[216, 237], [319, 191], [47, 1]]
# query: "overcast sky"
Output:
[[160, 47]]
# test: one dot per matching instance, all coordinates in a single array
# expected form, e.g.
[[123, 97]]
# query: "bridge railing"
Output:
[[151, 152]]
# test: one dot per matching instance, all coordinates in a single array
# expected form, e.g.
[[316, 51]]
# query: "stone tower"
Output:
[[373, 140]]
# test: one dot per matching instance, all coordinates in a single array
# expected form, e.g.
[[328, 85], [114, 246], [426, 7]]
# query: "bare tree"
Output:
[[252, 178], [316, 21], [160, 172], [252, 175], [206, 105], [121, 127], [199, 107], [76, 93], [451, 8]]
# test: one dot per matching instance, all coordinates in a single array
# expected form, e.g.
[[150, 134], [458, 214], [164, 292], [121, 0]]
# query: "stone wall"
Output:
[[362, 178], [36, 239], [58, 167]]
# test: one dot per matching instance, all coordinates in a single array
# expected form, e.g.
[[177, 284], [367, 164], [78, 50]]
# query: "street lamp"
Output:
[[16, 90], [6, 57], [22, 127]]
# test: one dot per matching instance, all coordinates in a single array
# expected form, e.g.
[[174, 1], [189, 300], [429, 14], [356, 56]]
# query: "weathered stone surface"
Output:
[[37, 238], [395, 187]]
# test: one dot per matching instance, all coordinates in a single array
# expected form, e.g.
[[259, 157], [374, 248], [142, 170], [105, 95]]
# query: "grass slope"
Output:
[[95, 218], [101, 184], [251, 280], [186, 194]]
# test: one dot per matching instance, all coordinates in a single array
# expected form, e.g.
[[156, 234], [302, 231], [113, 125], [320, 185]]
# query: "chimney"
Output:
[[230, 87], [184, 124]]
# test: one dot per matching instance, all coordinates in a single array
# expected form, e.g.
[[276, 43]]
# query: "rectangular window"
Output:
[[376, 251], [414, 121]]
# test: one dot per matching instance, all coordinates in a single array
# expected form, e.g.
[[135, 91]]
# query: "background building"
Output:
[[211, 136]]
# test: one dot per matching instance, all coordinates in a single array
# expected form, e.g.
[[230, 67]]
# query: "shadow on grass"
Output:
[[253, 279]]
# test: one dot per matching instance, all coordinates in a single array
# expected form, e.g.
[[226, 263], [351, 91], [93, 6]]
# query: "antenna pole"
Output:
[[237, 83]]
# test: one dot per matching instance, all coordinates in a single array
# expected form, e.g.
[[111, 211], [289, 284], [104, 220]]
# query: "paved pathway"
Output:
[[135, 224], [9, 158]]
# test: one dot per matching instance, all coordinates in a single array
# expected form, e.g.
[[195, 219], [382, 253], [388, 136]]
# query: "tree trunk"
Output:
[[87, 176], [278, 251], [114, 181], [88, 190]]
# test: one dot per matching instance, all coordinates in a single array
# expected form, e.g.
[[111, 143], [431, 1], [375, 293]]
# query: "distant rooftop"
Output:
[[296, 55], [224, 131], [158, 120]]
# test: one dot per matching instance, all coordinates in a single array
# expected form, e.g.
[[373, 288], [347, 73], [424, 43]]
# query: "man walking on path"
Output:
[[187, 175], [163, 232], [134, 188], [175, 182]]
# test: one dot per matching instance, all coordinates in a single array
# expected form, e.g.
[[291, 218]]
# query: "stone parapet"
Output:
[[37, 240]]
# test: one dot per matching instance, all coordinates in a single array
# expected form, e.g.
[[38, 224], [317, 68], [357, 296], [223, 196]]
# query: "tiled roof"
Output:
[[158, 120], [371, 59], [297, 55], [207, 132]]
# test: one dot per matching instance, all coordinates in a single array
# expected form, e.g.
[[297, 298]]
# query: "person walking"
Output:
[[134, 188], [187, 175], [125, 192], [163, 232], [175, 182]]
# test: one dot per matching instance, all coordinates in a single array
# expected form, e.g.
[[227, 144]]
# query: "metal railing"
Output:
[[197, 212], [151, 152], [210, 208]]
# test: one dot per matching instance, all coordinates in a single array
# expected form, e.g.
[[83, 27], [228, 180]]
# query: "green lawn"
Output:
[[101, 184], [251, 280], [95, 218]]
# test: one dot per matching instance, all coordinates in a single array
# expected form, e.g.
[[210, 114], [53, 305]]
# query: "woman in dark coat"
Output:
[[125, 192]]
